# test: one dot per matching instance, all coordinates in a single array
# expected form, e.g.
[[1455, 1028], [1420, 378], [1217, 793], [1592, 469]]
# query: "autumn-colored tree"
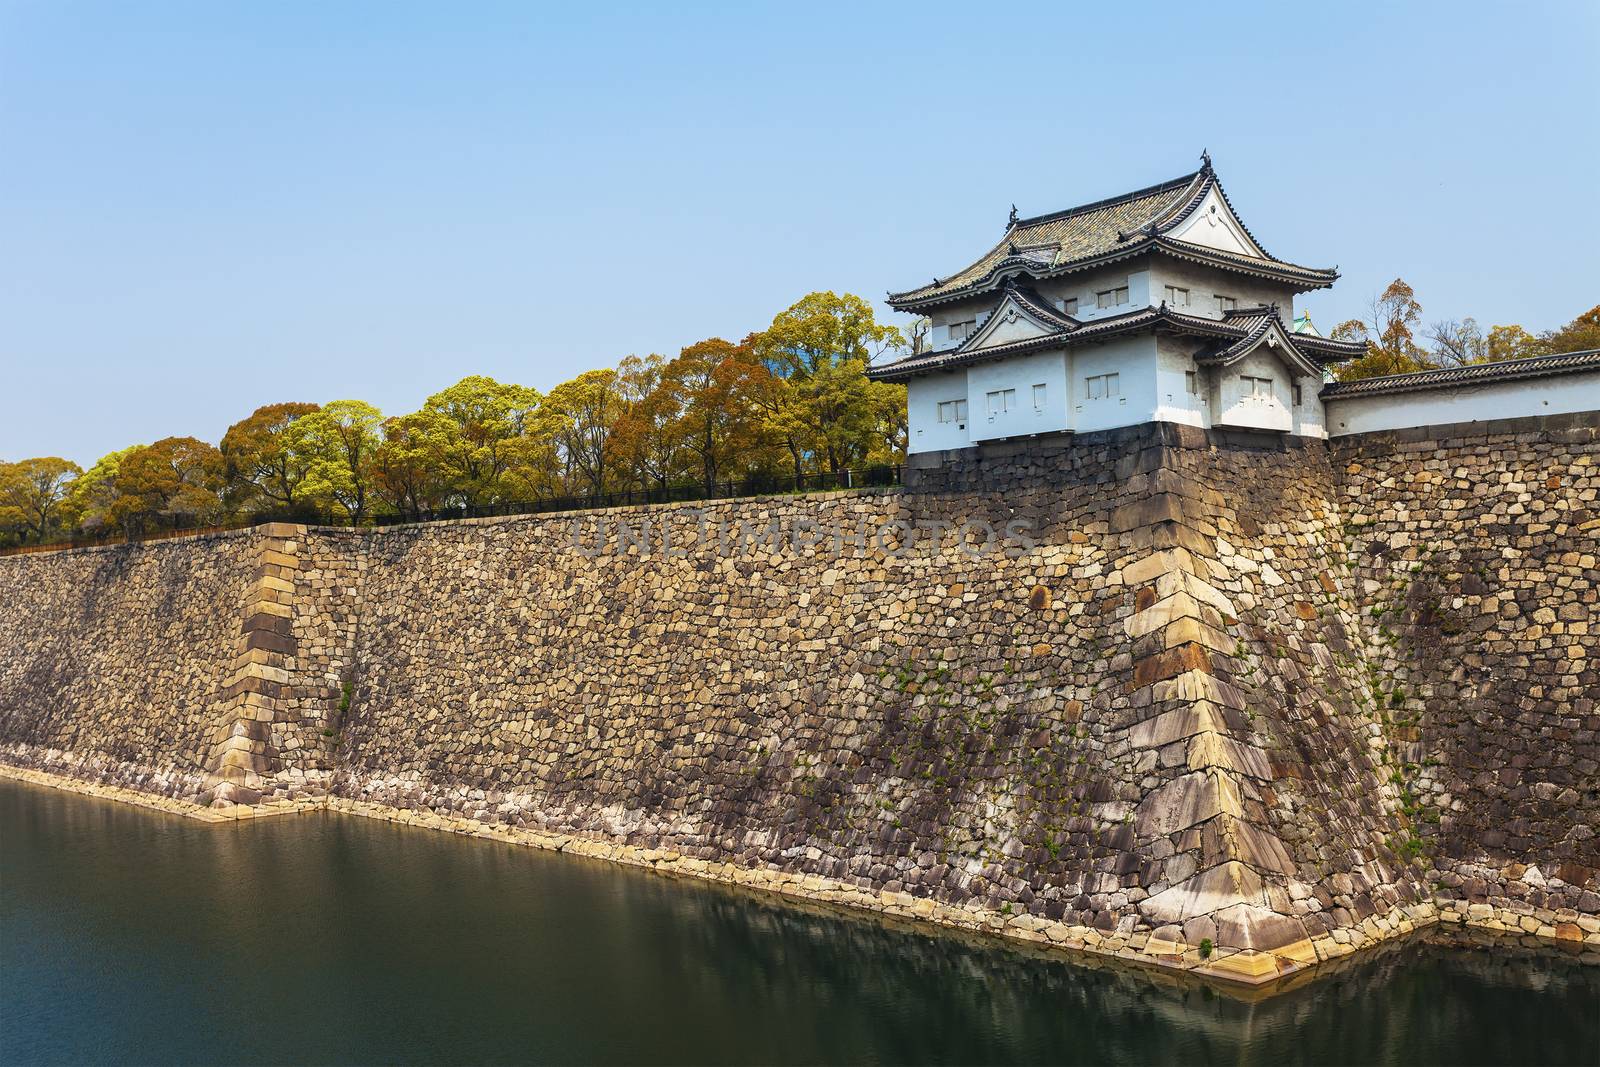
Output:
[[177, 477], [1582, 334], [1388, 332], [32, 492], [262, 466], [1512, 342], [715, 386], [647, 439], [339, 440]]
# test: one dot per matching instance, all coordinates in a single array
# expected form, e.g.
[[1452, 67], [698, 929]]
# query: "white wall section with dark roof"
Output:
[[1561, 384]]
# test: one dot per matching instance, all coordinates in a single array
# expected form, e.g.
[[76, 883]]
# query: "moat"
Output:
[[133, 936]]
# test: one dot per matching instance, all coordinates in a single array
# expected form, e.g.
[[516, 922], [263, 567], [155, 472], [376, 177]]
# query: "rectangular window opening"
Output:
[[1001, 401], [1111, 297], [1100, 386], [1177, 296]]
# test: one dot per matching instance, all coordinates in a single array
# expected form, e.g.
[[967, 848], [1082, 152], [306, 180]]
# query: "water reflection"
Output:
[[130, 935]]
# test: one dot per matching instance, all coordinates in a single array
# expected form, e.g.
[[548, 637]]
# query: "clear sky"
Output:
[[209, 206]]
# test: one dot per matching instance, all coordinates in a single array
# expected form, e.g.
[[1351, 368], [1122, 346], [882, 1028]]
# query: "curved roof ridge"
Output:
[[1111, 201]]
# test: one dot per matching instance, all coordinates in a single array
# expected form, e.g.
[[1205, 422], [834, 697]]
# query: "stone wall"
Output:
[[1475, 552], [172, 667], [1195, 687]]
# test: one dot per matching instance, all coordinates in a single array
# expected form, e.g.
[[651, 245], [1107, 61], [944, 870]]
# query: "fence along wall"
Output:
[[1156, 725]]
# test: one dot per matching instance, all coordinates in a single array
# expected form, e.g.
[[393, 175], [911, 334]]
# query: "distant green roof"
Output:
[[1302, 324]]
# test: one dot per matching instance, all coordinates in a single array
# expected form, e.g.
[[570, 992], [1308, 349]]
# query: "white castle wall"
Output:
[[1555, 395]]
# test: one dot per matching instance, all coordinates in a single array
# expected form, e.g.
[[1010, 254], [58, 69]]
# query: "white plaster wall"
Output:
[[1556, 395], [1174, 403], [1021, 373], [925, 433], [1204, 283], [1254, 413], [941, 317], [1134, 359], [1310, 419]]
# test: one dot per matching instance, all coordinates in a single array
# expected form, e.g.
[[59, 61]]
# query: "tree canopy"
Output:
[[789, 401]]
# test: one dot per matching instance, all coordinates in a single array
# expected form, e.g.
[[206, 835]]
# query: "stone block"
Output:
[[1185, 801]]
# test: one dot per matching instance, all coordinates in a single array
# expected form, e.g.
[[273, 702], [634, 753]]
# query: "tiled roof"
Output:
[[1121, 226], [1254, 324], [1507, 370], [1041, 308], [1143, 318]]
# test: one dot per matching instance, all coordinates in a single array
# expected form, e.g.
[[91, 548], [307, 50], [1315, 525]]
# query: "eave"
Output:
[[1303, 279], [1162, 318]]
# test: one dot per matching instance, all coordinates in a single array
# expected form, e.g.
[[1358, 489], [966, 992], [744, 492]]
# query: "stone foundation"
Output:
[[1163, 716]]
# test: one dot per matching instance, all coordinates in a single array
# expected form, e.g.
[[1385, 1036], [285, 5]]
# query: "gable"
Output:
[[1275, 342], [1010, 322], [1214, 225]]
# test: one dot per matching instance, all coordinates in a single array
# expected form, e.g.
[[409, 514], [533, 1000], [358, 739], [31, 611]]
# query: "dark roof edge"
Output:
[[1312, 277], [1111, 326], [1170, 185], [1472, 374]]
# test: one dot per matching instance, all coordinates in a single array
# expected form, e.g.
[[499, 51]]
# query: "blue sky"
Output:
[[209, 206]]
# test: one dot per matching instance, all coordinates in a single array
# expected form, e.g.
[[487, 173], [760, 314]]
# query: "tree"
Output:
[[475, 431], [1582, 334], [1388, 333], [406, 473], [821, 345], [715, 387], [647, 437], [918, 335], [1456, 344], [32, 492], [339, 441], [177, 477], [262, 465], [587, 409], [1512, 342], [89, 499]]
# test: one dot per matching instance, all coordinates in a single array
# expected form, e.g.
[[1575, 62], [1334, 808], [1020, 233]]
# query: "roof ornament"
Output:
[[1012, 220], [1012, 248], [1205, 159]]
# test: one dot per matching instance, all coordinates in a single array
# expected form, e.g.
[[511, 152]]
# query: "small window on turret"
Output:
[[960, 331], [1070, 305], [1107, 298], [1177, 296], [1227, 303], [1192, 380]]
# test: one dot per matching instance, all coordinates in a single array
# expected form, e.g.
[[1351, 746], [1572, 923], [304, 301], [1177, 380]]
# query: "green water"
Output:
[[131, 936]]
